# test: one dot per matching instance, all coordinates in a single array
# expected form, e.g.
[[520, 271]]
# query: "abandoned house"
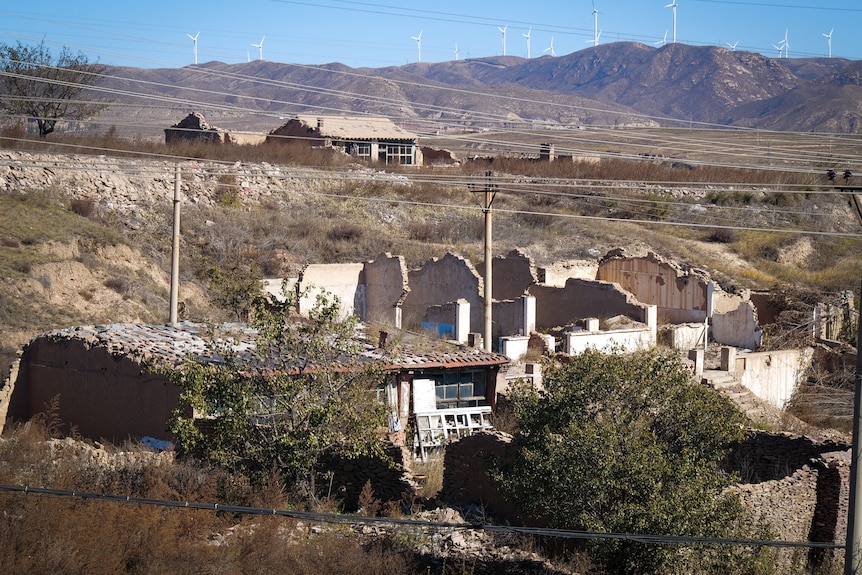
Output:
[[194, 128], [365, 137], [106, 390]]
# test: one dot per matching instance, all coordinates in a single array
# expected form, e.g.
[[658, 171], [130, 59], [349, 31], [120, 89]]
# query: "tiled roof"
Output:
[[171, 344], [168, 344], [405, 358]]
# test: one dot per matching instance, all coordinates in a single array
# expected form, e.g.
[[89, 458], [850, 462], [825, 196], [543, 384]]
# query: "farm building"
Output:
[[105, 388], [366, 137]]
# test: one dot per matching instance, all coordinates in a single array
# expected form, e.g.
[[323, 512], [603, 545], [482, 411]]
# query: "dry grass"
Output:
[[429, 476], [96, 536]]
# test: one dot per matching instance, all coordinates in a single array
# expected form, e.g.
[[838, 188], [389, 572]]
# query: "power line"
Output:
[[436, 525]]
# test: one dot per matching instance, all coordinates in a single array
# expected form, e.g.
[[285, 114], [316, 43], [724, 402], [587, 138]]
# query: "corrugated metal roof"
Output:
[[171, 344], [356, 127]]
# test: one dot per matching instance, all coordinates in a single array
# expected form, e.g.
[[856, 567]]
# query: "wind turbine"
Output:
[[527, 36], [456, 52], [663, 41], [596, 32], [195, 40], [259, 48], [418, 44], [829, 40], [503, 30], [779, 47], [732, 46], [673, 5], [550, 48], [786, 44]]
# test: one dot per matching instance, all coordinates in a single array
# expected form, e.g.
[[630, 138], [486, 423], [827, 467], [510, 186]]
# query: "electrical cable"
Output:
[[437, 525]]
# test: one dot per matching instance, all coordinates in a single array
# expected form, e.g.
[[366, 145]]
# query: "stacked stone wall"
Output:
[[389, 477]]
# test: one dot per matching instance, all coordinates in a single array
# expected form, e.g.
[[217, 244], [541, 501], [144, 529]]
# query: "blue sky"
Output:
[[378, 33]]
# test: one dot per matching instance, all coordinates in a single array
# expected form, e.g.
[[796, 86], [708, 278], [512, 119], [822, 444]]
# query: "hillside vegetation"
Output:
[[86, 239]]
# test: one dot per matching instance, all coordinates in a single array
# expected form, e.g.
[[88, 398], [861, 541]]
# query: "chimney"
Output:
[[381, 340]]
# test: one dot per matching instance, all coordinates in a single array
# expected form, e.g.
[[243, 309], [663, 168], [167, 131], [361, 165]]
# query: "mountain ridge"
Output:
[[620, 83]]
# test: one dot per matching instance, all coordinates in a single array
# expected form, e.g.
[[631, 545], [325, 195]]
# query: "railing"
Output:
[[434, 429]]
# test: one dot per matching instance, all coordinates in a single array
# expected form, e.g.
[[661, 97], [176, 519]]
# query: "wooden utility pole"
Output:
[[853, 543], [175, 250]]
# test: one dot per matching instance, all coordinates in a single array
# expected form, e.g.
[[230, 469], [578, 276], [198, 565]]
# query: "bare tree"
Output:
[[35, 84]]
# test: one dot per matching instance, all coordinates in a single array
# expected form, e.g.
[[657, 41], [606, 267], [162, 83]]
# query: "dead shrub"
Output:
[[83, 207], [423, 231], [345, 232], [721, 236], [119, 285]]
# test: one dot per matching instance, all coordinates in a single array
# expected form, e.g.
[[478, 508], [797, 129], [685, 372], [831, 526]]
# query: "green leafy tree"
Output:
[[234, 288], [35, 84], [299, 395], [626, 443]]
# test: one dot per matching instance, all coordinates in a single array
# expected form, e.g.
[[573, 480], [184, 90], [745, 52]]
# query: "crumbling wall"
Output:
[[386, 289], [580, 299], [773, 375], [558, 273], [101, 396], [295, 131], [390, 480], [738, 328], [683, 336], [625, 340], [467, 479], [768, 456], [513, 317], [194, 128], [345, 281], [440, 281], [681, 294], [244, 138], [512, 274]]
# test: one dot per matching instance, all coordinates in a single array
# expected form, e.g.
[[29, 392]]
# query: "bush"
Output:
[[628, 444], [345, 232], [721, 235]]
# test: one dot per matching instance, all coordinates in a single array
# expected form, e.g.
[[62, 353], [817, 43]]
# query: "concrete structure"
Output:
[[620, 334], [684, 335], [773, 375], [365, 137], [106, 390]]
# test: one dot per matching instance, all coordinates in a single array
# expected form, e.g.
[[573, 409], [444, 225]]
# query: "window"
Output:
[[460, 388], [397, 154]]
